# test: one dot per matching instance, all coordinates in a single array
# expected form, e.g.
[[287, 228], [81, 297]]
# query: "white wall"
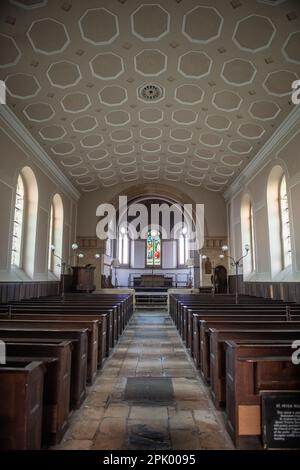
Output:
[[284, 151], [15, 154]]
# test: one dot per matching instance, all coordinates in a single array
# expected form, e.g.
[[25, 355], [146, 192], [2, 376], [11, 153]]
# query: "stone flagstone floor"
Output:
[[181, 417]]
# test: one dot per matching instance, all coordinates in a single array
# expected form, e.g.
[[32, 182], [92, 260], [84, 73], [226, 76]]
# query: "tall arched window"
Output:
[[25, 222], [183, 247], [18, 224], [153, 249], [123, 246], [252, 241], [285, 224], [56, 225], [279, 221], [248, 234]]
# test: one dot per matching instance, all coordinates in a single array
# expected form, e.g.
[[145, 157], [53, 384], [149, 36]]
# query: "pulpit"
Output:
[[83, 278]]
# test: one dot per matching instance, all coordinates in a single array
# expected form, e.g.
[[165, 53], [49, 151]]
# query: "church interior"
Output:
[[179, 338]]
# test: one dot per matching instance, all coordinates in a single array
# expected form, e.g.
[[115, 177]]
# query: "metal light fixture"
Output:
[[190, 263], [235, 263], [116, 264], [63, 265]]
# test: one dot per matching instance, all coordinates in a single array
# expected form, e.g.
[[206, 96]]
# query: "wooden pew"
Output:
[[101, 319], [194, 334], [251, 369], [108, 317], [56, 394], [218, 354], [206, 327], [79, 354], [91, 326], [21, 405]]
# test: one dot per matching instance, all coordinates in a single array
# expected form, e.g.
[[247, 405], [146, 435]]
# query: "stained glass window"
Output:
[[16, 258], [153, 248]]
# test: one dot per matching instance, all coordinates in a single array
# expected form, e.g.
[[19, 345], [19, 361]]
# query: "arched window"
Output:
[[51, 241], [18, 224], [56, 225], [248, 234], [153, 249], [252, 240], [123, 246], [284, 224], [279, 221], [25, 222], [183, 247]]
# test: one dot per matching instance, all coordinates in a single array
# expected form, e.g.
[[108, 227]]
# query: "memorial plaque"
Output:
[[281, 420]]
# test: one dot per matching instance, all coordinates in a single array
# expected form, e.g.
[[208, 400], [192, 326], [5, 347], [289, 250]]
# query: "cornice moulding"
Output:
[[263, 154], [36, 150]]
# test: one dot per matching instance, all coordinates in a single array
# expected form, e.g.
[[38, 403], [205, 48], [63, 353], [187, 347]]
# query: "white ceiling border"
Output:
[[288, 123], [36, 150]]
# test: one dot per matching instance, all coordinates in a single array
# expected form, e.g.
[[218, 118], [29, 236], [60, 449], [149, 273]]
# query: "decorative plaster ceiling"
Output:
[[119, 91]]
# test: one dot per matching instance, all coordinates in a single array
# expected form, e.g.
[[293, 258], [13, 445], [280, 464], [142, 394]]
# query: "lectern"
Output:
[[83, 278]]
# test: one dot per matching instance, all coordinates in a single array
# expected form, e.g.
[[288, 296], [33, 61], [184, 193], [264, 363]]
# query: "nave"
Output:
[[148, 396]]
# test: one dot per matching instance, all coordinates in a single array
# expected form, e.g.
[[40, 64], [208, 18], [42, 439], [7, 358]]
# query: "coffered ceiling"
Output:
[[176, 91]]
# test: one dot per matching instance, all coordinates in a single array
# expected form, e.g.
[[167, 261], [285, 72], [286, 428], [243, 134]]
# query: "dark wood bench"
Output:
[[218, 354], [206, 327], [79, 354], [91, 326], [251, 369], [21, 404], [101, 319], [56, 394]]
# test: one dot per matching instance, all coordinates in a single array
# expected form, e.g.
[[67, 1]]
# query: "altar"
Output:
[[152, 281]]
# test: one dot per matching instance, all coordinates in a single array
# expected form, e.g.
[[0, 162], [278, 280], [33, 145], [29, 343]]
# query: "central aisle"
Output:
[[148, 396]]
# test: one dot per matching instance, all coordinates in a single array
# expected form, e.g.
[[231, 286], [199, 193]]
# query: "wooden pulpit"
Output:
[[83, 278]]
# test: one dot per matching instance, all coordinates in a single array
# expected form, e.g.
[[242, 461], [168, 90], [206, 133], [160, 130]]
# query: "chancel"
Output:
[[170, 322]]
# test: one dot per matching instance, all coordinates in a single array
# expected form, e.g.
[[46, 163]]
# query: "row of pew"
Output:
[[240, 350], [54, 350]]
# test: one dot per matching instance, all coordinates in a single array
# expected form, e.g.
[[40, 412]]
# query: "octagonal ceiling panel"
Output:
[[245, 38], [194, 64], [40, 32], [202, 24], [178, 92], [76, 102], [113, 95], [227, 100], [54, 132], [150, 62], [264, 110], [107, 66], [150, 22], [151, 115], [189, 94], [9, 51], [238, 72], [22, 85], [64, 74], [99, 26]]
